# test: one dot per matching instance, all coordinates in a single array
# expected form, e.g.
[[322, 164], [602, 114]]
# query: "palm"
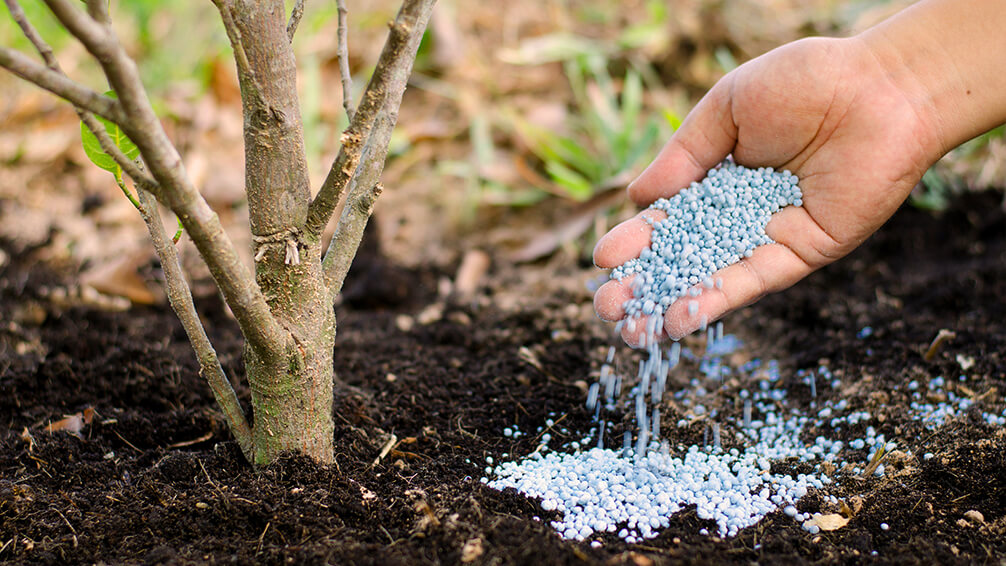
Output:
[[821, 109]]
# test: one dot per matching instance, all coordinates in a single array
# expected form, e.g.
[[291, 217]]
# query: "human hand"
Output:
[[825, 109]]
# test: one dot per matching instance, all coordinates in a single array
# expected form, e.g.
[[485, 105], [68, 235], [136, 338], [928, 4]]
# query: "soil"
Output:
[[152, 476]]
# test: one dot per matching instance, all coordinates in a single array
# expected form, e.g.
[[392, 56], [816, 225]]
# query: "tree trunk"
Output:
[[292, 385], [292, 394]]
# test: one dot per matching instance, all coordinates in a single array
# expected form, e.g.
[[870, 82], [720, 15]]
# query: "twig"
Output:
[[242, 294], [128, 443], [343, 53], [194, 441], [262, 537], [58, 84], [392, 441], [106, 143], [180, 298], [295, 16], [942, 337], [395, 62], [874, 463]]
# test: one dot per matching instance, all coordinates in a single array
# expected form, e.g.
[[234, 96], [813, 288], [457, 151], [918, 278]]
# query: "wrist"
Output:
[[944, 56]]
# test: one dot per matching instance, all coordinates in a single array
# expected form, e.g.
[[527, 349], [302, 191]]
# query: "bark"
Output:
[[292, 394], [291, 390]]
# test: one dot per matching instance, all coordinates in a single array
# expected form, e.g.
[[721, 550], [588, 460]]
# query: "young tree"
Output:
[[285, 310]]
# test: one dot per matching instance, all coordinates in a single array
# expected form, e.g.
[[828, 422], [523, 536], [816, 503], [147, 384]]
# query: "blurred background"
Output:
[[523, 124]]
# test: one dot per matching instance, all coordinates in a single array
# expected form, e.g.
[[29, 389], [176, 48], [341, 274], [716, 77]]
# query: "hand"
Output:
[[825, 109]]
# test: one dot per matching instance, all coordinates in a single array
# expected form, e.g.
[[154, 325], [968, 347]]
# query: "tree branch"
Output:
[[343, 53], [396, 60], [107, 145], [179, 294], [363, 193], [58, 84], [98, 10], [180, 298], [141, 124], [295, 16]]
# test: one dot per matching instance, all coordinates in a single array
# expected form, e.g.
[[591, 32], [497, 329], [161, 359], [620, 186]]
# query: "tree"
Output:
[[285, 310]]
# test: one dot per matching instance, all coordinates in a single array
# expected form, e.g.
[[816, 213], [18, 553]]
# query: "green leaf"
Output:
[[577, 187], [576, 156], [643, 146], [725, 59], [93, 148]]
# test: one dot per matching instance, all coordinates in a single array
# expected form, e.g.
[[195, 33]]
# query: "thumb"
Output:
[[705, 138]]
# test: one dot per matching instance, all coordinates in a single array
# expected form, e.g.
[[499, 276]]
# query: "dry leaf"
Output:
[[121, 278], [829, 522], [579, 221], [70, 423]]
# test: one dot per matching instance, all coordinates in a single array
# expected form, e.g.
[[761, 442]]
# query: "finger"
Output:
[[704, 139], [609, 303], [639, 331], [770, 268], [626, 240], [609, 300]]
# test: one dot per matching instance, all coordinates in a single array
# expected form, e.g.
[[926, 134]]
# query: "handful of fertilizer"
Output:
[[710, 225]]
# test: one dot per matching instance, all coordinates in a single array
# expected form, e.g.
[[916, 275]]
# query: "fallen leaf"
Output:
[[72, 424], [829, 522], [580, 220], [121, 278]]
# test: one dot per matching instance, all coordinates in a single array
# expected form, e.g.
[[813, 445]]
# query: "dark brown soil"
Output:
[[154, 477]]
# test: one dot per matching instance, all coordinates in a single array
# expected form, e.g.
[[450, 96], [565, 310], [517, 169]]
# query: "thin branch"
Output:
[[179, 294], [237, 45], [396, 58], [262, 331], [109, 147], [58, 84], [180, 298], [295, 16], [343, 54], [364, 190], [106, 143], [29, 31]]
